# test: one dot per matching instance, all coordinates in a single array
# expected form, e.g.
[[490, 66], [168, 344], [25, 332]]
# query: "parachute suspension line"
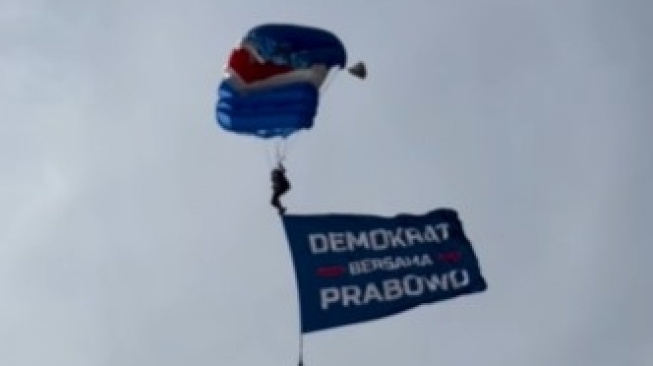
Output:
[[300, 330], [279, 151], [270, 150], [276, 151], [283, 145], [300, 361], [329, 80]]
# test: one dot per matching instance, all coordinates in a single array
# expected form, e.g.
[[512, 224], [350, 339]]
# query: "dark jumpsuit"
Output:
[[280, 186]]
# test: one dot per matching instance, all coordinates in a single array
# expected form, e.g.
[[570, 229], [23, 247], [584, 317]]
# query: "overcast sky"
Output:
[[133, 231]]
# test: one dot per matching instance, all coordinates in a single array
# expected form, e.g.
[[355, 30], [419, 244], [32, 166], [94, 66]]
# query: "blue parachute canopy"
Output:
[[272, 80], [297, 46], [277, 112]]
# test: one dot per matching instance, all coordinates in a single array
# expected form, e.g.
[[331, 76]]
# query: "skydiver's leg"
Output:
[[275, 200], [277, 204]]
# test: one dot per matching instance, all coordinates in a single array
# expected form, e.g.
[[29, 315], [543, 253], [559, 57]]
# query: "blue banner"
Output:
[[353, 268]]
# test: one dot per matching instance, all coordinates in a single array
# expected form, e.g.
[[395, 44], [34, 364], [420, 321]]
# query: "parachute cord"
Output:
[[270, 155], [283, 147], [300, 361], [280, 155], [300, 331], [281, 150], [275, 152], [330, 78]]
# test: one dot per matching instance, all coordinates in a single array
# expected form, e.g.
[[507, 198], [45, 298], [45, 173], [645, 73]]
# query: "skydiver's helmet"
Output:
[[358, 69]]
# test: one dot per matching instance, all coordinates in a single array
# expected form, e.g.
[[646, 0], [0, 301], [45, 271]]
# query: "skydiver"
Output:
[[280, 186]]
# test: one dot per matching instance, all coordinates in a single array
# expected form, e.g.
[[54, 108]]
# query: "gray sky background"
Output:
[[133, 231]]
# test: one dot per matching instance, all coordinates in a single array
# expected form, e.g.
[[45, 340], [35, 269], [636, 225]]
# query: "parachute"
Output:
[[272, 81], [349, 268]]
